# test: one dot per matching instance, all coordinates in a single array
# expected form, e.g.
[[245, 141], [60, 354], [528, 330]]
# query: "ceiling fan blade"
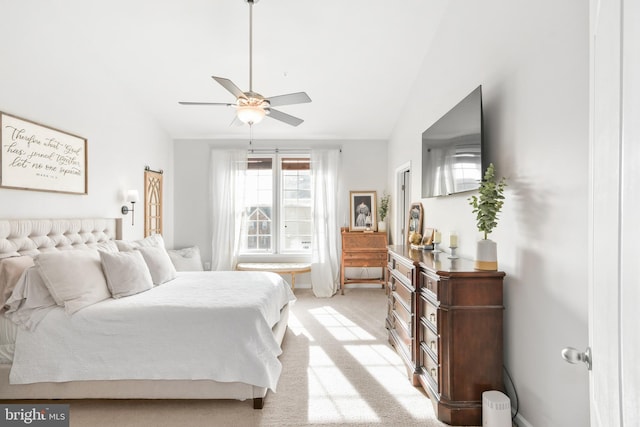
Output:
[[284, 117], [291, 98], [226, 104], [230, 86], [236, 122]]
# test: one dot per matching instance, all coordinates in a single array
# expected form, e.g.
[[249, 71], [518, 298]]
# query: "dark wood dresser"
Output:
[[445, 320], [363, 249]]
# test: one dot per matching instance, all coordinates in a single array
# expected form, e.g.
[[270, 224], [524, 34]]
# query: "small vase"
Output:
[[486, 255], [382, 226]]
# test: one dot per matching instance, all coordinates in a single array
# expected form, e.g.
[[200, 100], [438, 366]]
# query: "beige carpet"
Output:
[[338, 370]]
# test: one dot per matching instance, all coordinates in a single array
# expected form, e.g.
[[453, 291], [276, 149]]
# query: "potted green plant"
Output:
[[487, 206], [383, 211]]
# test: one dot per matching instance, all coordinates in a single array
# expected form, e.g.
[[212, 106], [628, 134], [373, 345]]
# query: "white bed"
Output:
[[192, 321]]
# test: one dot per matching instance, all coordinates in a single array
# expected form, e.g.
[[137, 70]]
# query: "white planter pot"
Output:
[[382, 226], [486, 255]]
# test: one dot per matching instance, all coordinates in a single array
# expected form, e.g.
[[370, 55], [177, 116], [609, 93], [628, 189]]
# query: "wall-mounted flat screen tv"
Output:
[[452, 149]]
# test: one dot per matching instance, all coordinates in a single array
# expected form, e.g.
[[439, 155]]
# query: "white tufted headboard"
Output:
[[33, 236]]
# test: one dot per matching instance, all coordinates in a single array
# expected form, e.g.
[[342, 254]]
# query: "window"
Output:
[[277, 205]]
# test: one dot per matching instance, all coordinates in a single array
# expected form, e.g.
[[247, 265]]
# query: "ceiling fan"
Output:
[[251, 107]]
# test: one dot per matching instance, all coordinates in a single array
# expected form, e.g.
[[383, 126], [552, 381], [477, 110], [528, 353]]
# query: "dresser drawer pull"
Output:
[[434, 373], [432, 344], [432, 318]]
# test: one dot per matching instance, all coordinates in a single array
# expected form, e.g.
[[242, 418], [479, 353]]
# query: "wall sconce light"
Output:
[[132, 197]]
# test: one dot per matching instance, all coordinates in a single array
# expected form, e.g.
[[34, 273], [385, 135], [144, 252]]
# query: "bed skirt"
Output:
[[141, 389]]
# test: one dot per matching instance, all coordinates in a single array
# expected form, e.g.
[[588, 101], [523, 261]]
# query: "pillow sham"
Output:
[[154, 240], [108, 246], [74, 278], [30, 300], [159, 263], [186, 259], [126, 273], [10, 271]]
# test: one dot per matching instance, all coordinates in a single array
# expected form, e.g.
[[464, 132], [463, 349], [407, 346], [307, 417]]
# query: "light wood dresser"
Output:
[[363, 249], [445, 320]]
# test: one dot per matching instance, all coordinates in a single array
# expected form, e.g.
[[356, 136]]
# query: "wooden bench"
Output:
[[277, 267]]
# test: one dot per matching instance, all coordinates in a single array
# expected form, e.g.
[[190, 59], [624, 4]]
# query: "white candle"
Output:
[[437, 237], [453, 240]]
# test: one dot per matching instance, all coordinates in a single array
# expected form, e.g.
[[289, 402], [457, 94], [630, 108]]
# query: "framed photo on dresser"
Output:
[[363, 211], [414, 222]]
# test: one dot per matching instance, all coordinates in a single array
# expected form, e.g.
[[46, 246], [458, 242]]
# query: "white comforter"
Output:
[[201, 325]]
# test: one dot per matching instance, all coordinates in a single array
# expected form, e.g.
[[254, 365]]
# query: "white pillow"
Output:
[[154, 241], [186, 259], [74, 278], [108, 246], [159, 263], [126, 273], [10, 271], [30, 300]]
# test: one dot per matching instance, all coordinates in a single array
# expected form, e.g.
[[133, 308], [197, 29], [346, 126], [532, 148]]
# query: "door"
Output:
[[403, 190], [614, 234]]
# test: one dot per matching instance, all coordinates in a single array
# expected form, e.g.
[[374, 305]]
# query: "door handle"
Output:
[[572, 355]]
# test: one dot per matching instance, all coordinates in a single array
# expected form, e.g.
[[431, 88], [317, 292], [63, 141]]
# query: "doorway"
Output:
[[403, 190]]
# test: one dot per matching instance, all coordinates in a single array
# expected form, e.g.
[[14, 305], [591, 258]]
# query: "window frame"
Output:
[[281, 206], [277, 228]]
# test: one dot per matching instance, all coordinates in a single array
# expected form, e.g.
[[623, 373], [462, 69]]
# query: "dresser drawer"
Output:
[[363, 263], [429, 339], [429, 283], [430, 368], [404, 333], [402, 292], [429, 311], [390, 309], [380, 258], [406, 271], [403, 313]]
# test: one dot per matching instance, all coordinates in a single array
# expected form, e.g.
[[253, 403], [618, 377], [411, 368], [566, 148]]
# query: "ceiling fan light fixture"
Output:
[[251, 114]]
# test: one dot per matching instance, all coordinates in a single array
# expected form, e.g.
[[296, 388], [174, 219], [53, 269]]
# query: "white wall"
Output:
[[532, 60], [363, 166], [74, 94]]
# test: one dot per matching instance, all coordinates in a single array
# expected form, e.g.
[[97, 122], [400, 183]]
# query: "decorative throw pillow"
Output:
[[126, 273], [159, 263], [74, 278], [154, 241], [186, 259], [108, 246], [10, 271]]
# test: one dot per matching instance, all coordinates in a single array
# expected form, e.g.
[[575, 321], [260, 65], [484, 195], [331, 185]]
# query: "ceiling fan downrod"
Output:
[[251, 3]]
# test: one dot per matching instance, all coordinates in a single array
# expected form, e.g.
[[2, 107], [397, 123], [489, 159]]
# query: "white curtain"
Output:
[[324, 260], [226, 168]]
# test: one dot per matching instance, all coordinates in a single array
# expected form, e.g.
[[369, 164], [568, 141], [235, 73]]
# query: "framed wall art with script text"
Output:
[[41, 158]]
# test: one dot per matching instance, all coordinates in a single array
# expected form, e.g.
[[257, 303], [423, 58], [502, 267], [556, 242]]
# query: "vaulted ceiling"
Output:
[[356, 59]]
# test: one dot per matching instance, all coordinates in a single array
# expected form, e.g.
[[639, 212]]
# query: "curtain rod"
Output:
[[286, 150]]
